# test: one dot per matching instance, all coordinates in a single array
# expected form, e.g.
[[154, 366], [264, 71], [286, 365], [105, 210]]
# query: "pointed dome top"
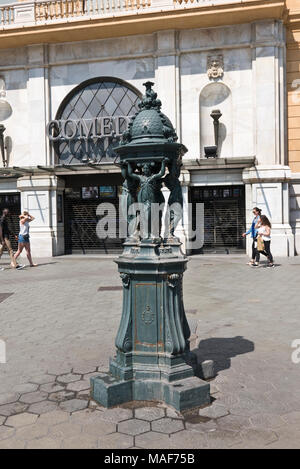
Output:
[[149, 125]]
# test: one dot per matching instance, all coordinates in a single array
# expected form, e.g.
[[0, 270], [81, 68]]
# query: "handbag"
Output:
[[260, 244]]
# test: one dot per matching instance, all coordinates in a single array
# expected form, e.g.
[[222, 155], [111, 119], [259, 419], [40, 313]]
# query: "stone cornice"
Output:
[[142, 23]]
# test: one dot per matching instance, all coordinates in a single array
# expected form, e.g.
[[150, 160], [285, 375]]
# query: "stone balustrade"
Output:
[[38, 12]]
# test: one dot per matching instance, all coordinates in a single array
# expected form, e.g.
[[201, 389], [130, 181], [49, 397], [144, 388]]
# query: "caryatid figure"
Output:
[[175, 201], [149, 193]]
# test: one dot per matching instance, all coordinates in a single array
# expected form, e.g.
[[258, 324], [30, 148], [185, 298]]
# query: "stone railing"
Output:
[[45, 11], [7, 14]]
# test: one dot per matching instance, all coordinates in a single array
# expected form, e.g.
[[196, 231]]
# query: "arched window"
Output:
[[91, 119]]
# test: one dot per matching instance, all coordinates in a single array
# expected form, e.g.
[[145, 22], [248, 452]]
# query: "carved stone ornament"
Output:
[[215, 66]]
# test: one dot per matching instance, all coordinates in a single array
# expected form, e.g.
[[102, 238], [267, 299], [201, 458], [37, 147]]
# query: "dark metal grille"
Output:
[[224, 216], [80, 227], [12, 202], [96, 98]]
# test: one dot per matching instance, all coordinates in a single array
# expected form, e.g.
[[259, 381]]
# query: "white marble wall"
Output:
[[39, 77]]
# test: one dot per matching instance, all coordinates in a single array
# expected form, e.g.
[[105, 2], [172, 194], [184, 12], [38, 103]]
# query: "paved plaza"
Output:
[[59, 330]]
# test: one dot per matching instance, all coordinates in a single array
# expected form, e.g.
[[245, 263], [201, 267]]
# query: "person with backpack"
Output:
[[5, 234]]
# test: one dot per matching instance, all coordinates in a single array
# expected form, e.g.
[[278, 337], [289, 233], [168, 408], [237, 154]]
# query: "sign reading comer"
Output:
[[99, 127]]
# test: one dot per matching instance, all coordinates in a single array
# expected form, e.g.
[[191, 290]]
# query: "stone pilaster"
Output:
[[40, 196]]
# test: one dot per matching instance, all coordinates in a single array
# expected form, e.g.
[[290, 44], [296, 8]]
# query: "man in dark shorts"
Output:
[[4, 239]]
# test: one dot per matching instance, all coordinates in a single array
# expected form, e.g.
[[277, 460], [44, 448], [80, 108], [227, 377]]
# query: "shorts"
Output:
[[23, 239]]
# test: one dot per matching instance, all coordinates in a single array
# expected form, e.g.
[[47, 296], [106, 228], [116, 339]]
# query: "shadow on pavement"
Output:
[[221, 350]]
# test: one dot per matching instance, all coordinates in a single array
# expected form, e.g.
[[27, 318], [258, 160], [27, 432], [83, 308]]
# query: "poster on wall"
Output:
[[107, 191], [90, 192]]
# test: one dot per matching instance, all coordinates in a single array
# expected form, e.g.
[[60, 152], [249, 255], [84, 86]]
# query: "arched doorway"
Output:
[[91, 119], [88, 126]]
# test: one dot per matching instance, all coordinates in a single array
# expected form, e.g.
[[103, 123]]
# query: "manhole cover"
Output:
[[111, 288], [3, 296]]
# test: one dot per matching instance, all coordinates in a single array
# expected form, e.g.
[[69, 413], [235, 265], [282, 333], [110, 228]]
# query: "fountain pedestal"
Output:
[[153, 359]]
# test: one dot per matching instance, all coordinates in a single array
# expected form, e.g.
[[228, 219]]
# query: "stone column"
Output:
[[37, 104], [165, 74], [269, 191], [40, 196]]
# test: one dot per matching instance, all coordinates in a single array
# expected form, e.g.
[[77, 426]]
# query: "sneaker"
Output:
[[255, 264], [19, 267], [271, 265], [1, 269]]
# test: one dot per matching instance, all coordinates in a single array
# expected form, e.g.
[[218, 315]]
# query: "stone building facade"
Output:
[[229, 57]]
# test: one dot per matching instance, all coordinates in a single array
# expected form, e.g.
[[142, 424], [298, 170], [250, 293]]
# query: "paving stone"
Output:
[[57, 370], [88, 376], [234, 422], [86, 394], [21, 420], [203, 427], [53, 417], [266, 421], [12, 409], [68, 378], [44, 443], [172, 413], [116, 415], [258, 438], [153, 440], [99, 427], [79, 386], [31, 432], [187, 439], [83, 416], [42, 407], [8, 398], [2, 420], [133, 427], [149, 413], [83, 370], [115, 441], [292, 417], [65, 430], [167, 425], [26, 387], [214, 411], [6, 432], [220, 439], [73, 404], [61, 396], [80, 442], [42, 379], [32, 397], [52, 387]]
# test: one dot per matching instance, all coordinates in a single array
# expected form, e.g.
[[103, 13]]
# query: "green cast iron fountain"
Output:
[[153, 359]]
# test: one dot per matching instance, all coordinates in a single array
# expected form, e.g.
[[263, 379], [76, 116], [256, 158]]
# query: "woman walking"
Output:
[[23, 239], [264, 232], [253, 231]]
